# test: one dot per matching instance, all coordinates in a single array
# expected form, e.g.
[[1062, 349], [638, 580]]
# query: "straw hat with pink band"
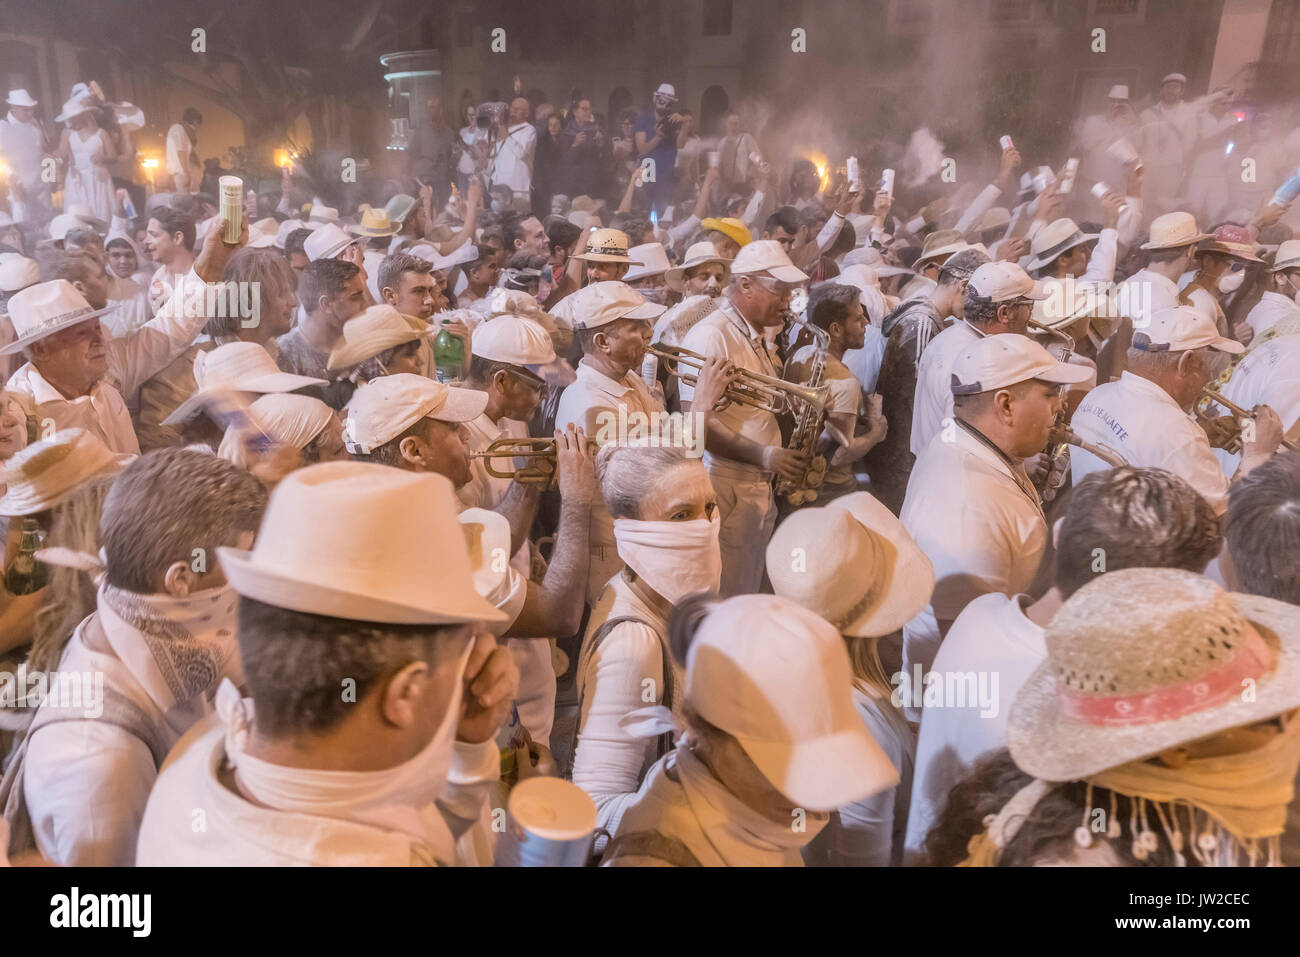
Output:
[[1141, 665]]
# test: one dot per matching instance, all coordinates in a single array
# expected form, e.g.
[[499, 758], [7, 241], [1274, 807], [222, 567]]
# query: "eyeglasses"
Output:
[[775, 286], [537, 385]]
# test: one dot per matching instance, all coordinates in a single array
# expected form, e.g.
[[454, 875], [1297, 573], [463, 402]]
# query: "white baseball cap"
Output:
[[513, 339], [776, 677], [604, 302], [766, 255], [1003, 281], [1179, 329], [384, 408], [327, 242], [1002, 360]]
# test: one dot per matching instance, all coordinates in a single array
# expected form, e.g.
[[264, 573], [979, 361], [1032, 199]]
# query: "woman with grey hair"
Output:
[[666, 526]]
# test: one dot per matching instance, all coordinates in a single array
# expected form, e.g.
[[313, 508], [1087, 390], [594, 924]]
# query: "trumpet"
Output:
[[1062, 435], [1234, 442], [543, 450], [748, 388]]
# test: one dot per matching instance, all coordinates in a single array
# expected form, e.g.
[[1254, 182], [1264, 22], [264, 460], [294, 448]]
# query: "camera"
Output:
[[490, 114]]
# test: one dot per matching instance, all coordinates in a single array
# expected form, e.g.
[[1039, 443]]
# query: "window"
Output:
[[717, 18]]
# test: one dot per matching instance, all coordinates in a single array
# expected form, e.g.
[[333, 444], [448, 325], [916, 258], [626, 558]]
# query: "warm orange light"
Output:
[[149, 162], [283, 159], [823, 168]]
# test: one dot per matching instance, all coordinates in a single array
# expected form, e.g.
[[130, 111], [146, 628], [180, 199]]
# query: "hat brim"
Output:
[[1231, 249], [606, 258], [14, 504], [272, 382], [1198, 238], [943, 252], [374, 233], [462, 405], [1047, 259], [826, 773], [295, 590], [350, 353], [1065, 373], [20, 343], [1047, 745], [675, 278], [780, 273]]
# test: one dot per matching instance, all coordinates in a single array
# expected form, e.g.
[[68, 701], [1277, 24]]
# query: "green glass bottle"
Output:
[[448, 355], [25, 574]]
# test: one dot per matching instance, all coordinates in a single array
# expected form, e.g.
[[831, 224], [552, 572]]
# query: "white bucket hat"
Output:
[[262, 234], [513, 339], [378, 328], [652, 261], [384, 408], [697, 255], [45, 473], [320, 213], [236, 367], [327, 242], [853, 563], [44, 309], [1287, 256], [776, 677], [362, 542]]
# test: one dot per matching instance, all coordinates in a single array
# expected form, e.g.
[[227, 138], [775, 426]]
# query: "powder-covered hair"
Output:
[[1263, 528], [629, 473]]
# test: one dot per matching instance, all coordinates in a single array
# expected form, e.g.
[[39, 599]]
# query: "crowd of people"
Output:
[[792, 521]]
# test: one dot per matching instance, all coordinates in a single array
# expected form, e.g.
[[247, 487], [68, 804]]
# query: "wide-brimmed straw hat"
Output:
[[1055, 239], [730, 227], [853, 563], [1173, 230], [1142, 660], [378, 328], [45, 473], [363, 542], [42, 310], [938, 246], [1287, 256], [607, 246], [236, 367], [697, 255], [1233, 241], [375, 222]]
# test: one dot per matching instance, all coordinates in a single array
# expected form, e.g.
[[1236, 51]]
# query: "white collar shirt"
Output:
[[933, 403], [1144, 293], [1271, 309], [1136, 418], [513, 158], [1269, 374], [23, 146]]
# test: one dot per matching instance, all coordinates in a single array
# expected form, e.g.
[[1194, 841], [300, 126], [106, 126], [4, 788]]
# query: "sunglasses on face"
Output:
[[536, 385], [776, 287]]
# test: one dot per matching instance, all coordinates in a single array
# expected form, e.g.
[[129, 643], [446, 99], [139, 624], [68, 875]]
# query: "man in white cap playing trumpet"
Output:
[[379, 602], [970, 505], [1143, 415]]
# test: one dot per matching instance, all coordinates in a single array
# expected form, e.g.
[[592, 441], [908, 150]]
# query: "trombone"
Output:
[[1233, 444], [543, 450], [764, 392]]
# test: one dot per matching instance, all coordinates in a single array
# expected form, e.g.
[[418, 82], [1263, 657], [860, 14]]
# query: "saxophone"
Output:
[[807, 348]]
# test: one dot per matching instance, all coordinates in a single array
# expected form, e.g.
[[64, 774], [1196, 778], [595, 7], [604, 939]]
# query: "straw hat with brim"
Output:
[[377, 329], [363, 542], [1056, 239], [698, 255], [236, 367], [399, 207], [44, 474], [1142, 660], [730, 227], [1173, 230], [1068, 301], [375, 222], [40, 311], [938, 246], [18, 272], [852, 563], [1287, 256], [1233, 241], [607, 246]]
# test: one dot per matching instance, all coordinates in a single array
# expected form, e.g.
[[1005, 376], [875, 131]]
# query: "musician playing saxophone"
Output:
[[1143, 415], [743, 444], [837, 310]]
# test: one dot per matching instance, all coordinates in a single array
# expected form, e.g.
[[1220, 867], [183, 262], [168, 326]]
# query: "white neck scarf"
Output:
[[395, 799], [177, 648], [676, 559]]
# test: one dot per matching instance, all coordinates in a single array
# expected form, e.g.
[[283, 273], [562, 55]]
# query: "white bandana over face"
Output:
[[676, 559]]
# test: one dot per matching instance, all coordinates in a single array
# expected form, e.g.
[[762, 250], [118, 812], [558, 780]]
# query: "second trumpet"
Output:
[[536, 451]]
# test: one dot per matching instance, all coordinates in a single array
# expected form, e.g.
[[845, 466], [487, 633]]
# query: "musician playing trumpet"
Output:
[[743, 444], [1143, 415]]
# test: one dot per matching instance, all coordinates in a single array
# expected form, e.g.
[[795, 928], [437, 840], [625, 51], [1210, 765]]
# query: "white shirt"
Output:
[[131, 360], [179, 148], [239, 833], [933, 402], [726, 334], [991, 637], [513, 165], [1144, 293], [371, 260], [1142, 422], [864, 363], [132, 307], [1271, 309], [608, 762], [979, 521], [22, 145], [1269, 374]]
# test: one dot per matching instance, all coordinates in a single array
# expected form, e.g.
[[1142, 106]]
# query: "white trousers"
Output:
[[747, 514]]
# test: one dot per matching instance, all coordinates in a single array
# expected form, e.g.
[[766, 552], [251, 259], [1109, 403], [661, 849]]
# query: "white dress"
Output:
[[88, 184]]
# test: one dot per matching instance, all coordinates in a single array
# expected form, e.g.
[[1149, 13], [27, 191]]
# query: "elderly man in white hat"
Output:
[[74, 376], [970, 504], [612, 324], [754, 755], [1143, 415], [1280, 304], [23, 145], [854, 564], [745, 450], [999, 298], [1165, 139], [161, 639], [412, 738], [1138, 518]]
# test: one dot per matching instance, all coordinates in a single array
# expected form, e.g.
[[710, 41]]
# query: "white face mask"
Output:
[[676, 559], [1295, 297], [387, 798], [1231, 281]]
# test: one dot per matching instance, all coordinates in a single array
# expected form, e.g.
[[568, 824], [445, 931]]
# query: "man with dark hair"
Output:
[[837, 309], [366, 661], [908, 331], [169, 240], [295, 250], [480, 278], [1124, 518], [524, 233], [162, 637], [783, 226], [330, 292], [1263, 530]]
